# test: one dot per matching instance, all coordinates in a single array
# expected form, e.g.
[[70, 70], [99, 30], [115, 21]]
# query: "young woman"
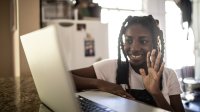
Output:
[[142, 76]]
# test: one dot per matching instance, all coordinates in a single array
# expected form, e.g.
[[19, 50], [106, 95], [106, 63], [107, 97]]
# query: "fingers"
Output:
[[126, 95], [153, 74], [153, 57], [122, 93], [154, 61], [155, 67], [148, 59], [157, 62], [161, 69], [114, 89]]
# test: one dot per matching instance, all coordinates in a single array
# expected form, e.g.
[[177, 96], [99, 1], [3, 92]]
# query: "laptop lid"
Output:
[[53, 81]]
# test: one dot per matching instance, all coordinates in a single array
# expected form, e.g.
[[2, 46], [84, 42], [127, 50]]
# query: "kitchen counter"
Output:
[[18, 94]]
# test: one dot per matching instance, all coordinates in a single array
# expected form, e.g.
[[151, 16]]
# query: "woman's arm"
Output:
[[151, 83], [176, 103], [85, 78], [162, 103]]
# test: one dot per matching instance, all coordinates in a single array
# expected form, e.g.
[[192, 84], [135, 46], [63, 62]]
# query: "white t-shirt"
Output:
[[106, 70]]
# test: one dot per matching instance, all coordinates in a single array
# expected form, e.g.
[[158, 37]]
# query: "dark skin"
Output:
[[144, 60], [88, 75]]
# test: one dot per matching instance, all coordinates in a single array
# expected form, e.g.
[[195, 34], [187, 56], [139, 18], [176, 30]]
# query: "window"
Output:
[[120, 4], [114, 13], [179, 49]]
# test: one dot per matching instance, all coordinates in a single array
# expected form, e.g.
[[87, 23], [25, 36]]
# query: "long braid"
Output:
[[162, 51], [123, 68], [150, 23]]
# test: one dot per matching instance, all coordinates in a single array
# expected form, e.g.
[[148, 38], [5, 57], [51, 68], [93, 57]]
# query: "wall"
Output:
[[196, 29], [157, 9], [26, 15], [29, 20], [6, 51]]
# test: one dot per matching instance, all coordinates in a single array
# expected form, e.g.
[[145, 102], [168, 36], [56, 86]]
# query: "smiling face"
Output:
[[138, 41]]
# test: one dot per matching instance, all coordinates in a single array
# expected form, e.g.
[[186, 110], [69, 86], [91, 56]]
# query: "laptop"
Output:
[[54, 83]]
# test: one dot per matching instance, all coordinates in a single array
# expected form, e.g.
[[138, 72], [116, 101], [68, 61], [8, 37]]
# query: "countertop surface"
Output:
[[18, 94]]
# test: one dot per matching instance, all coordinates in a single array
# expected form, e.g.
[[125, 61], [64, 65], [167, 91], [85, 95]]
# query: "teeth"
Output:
[[136, 57]]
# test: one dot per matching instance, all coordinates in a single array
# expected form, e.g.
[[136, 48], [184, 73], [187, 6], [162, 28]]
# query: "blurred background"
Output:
[[101, 21]]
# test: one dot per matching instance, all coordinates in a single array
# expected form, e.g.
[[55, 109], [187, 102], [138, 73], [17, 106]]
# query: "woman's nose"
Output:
[[135, 46]]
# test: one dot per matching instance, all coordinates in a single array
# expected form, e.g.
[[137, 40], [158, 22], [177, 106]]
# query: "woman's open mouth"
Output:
[[135, 57]]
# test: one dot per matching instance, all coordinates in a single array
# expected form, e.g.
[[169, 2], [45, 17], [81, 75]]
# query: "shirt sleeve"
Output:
[[173, 84], [106, 70]]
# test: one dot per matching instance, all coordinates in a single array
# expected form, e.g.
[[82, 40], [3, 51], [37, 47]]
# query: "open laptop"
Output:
[[54, 83]]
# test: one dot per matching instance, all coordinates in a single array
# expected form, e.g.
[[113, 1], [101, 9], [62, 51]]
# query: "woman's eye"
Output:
[[143, 41], [129, 41]]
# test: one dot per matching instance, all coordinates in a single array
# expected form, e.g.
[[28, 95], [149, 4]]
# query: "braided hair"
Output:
[[157, 41]]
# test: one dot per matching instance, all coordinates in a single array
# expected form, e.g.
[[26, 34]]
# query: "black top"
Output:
[[142, 95]]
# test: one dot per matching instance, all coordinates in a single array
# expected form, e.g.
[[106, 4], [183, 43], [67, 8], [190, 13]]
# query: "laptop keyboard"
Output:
[[90, 106]]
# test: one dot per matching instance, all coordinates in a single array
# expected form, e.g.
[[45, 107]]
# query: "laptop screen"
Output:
[[51, 77]]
